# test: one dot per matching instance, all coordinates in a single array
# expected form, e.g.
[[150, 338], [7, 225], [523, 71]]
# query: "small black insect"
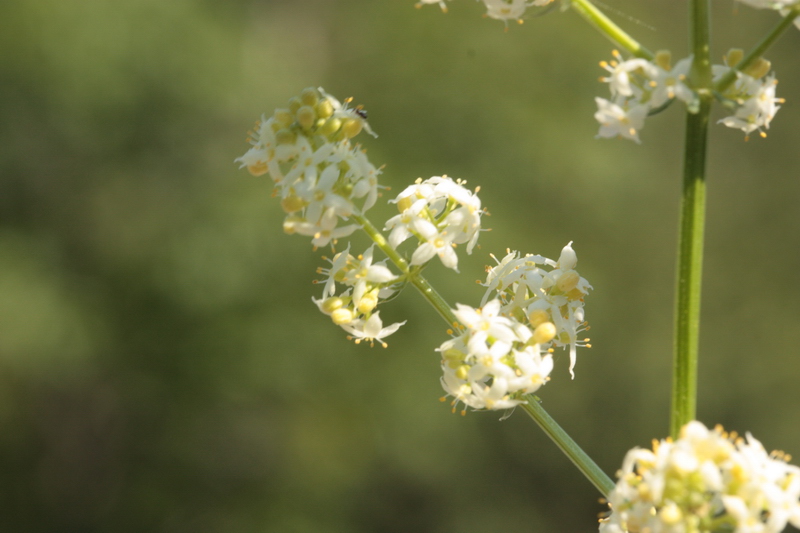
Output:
[[361, 112]]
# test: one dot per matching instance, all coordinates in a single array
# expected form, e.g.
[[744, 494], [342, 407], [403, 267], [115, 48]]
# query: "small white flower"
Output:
[[620, 120], [669, 83], [371, 330]]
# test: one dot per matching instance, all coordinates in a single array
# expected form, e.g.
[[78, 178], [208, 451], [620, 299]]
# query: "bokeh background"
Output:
[[162, 367]]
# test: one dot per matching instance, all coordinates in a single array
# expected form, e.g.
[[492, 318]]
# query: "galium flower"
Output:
[[617, 120], [495, 360], [539, 290], [365, 283], [637, 87], [441, 213], [706, 481], [752, 95], [320, 177]]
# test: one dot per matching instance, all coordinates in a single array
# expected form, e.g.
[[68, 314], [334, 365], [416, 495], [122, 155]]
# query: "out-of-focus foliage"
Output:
[[162, 367]]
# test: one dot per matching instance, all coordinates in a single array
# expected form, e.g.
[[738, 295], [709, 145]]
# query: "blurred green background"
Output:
[[162, 367]]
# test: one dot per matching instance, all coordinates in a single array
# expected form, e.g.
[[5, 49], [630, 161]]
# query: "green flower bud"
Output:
[[294, 104], [306, 117], [324, 108], [284, 117], [351, 127], [309, 96]]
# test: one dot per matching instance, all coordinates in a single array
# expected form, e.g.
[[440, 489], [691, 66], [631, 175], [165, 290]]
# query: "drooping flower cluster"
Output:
[[537, 295], [319, 176], [505, 10], [637, 87], [706, 481], [752, 95], [354, 308], [442, 214], [504, 350]]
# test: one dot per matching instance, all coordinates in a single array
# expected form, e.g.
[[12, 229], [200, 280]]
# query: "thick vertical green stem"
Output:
[[692, 224], [599, 479]]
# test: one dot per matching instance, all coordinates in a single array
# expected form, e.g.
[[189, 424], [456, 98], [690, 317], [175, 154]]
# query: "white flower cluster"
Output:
[[441, 213], [504, 10], [318, 174], [505, 348], [537, 295], [706, 481], [752, 95], [638, 87], [495, 360], [354, 308]]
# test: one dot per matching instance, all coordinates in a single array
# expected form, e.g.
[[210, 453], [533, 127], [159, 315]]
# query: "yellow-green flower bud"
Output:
[[568, 281], [284, 136], [352, 127], [292, 204], [758, 68], [368, 302], [306, 117], [537, 317], [331, 304], [664, 59], [309, 96], [342, 316], [404, 203], [544, 332], [453, 357], [734, 56], [324, 108], [329, 127], [284, 117], [294, 104], [462, 372]]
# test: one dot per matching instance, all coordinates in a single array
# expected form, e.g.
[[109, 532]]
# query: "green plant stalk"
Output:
[[607, 27], [758, 50], [570, 448], [413, 275], [692, 224], [599, 479]]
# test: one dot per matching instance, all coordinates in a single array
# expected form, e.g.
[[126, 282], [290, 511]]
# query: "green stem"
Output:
[[584, 463], [413, 275], [692, 223], [607, 27], [758, 51], [599, 479]]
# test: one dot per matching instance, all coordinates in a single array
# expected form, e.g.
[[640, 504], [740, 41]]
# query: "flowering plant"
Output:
[[499, 353]]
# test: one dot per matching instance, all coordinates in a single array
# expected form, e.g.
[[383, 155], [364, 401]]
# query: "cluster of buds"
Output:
[[706, 481], [441, 214], [640, 88], [354, 308], [504, 10], [504, 349], [318, 175]]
